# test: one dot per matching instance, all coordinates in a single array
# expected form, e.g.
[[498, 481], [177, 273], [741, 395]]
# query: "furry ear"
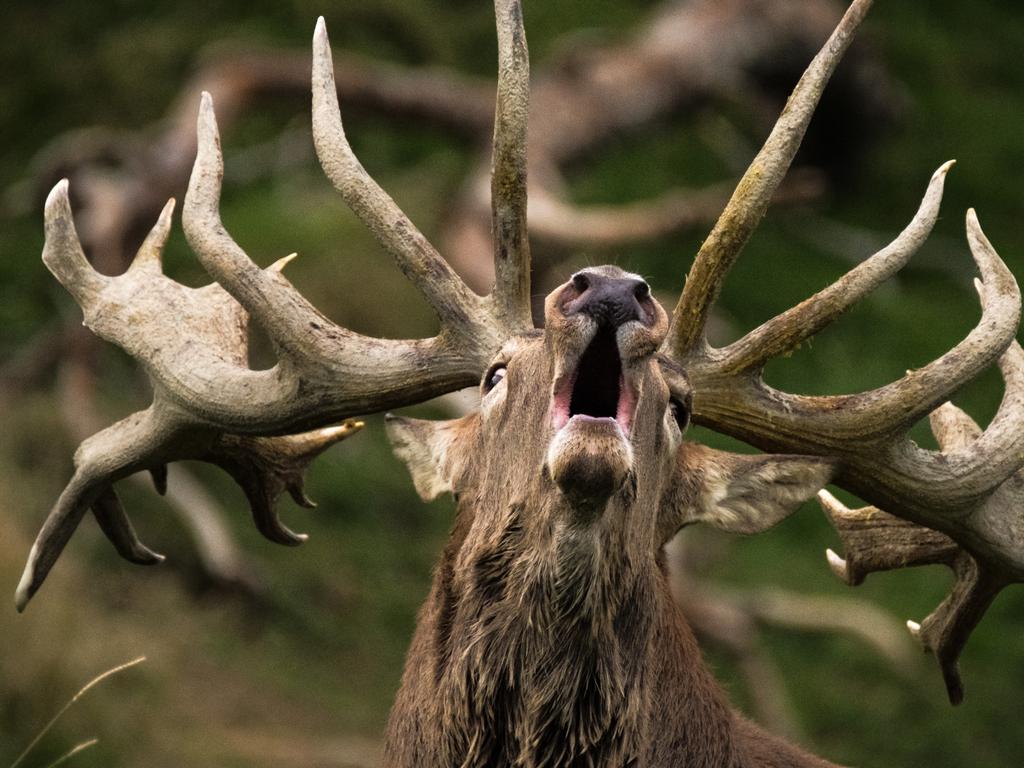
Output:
[[430, 450], [744, 493]]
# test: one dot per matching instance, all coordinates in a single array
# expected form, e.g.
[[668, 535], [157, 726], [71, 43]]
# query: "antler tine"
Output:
[[742, 405], [300, 331], [754, 192], [953, 429], [444, 290], [149, 257], [876, 541], [62, 252], [974, 463], [921, 391], [107, 456], [348, 372], [784, 333], [271, 302], [508, 169], [118, 528]]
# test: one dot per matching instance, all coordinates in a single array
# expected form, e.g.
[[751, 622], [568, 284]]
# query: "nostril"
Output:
[[642, 291], [580, 282]]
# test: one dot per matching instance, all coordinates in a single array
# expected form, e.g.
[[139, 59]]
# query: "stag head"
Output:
[[580, 428]]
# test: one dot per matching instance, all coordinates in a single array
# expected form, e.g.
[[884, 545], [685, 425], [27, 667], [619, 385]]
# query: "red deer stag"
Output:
[[550, 637]]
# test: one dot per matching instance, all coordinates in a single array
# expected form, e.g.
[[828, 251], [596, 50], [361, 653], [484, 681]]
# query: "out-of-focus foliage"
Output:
[[308, 677]]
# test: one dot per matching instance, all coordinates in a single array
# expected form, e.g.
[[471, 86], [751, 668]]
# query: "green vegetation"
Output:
[[312, 671]]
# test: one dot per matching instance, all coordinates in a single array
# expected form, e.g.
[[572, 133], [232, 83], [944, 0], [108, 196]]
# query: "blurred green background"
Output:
[[306, 675]]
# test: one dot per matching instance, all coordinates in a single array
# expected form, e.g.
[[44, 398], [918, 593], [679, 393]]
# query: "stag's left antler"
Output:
[[207, 403], [955, 506]]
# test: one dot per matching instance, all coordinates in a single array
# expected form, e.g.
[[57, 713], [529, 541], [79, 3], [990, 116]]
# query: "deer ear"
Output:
[[431, 450], [746, 493]]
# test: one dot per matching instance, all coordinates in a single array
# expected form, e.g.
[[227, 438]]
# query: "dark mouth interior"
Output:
[[595, 391]]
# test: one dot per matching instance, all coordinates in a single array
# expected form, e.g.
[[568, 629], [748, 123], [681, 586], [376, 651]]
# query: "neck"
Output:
[[552, 647], [547, 635]]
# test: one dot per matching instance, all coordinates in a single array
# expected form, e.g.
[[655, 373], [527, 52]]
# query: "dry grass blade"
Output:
[[84, 690], [74, 751]]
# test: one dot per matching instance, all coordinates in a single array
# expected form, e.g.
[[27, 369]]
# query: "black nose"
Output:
[[611, 301]]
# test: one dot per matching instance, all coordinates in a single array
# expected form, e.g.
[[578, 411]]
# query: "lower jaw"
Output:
[[589, 459]]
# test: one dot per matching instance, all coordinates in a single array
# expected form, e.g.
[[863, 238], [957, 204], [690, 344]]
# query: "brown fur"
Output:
[[549, 637]]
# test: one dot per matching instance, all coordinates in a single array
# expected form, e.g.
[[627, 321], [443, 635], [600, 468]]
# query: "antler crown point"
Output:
[[284, 261], [837, 564], [205, 102], [58, 195], [26, 587]]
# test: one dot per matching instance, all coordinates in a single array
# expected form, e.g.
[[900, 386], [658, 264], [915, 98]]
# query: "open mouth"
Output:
[[597, 389]]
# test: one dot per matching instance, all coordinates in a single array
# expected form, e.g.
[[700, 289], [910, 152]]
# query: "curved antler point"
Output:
[[58, 196], [341, 430], [206, 124], [168, 209], [973, 225], [830, 504], [321, 42], [837, 564], [27, 586], [280, 264]]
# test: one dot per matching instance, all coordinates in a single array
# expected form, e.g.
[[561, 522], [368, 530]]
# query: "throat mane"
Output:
[[544, 644]]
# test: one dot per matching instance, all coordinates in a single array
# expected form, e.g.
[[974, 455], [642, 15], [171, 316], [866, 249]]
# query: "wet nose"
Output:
[[611, 301]]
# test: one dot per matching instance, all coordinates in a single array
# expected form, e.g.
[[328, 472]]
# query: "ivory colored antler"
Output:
[[208, 404], [954, 506]]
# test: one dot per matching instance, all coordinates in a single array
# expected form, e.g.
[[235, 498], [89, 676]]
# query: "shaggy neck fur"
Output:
[[540, 634]]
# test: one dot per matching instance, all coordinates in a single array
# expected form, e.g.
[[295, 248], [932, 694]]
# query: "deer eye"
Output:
[[494, 376], [680, 412]]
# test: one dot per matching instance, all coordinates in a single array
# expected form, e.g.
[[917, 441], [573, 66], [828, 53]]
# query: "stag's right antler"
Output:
[[207, 403], [959, 505]]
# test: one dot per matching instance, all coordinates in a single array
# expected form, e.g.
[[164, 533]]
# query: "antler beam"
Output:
[[956, 506], [207, 403]]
